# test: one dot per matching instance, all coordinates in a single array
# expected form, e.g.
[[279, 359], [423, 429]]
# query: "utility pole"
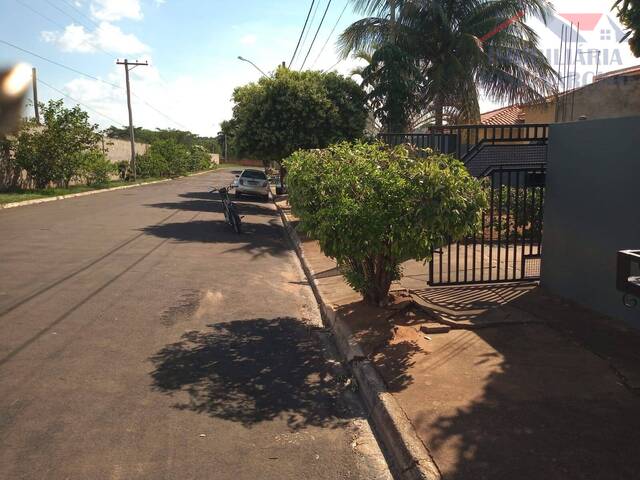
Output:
[[34, 79], [127, 67]]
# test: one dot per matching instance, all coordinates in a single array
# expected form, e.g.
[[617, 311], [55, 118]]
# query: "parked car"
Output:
[[253, 182]]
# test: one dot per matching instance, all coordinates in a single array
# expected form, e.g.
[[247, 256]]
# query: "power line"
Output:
[[81, 12], [80, 103], [58, 24], [66, 13], [313, 18], [333, 66], [302, 32], [330, 34], [71, 69], [113, 85], [40, 14], [316, 35]]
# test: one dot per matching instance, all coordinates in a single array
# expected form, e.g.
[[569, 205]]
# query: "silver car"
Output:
[[253, 182]]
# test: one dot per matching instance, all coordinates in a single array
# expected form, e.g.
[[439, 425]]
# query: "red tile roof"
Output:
[[503, 116]]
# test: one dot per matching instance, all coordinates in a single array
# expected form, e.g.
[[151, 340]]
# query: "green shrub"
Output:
[[164, 158], [199, 159], [96, 169], [373, 207], [151, 164], [51, 153]]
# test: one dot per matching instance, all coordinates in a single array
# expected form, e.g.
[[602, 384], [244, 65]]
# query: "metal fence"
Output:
[[507, 248], [465, 141], [513, 159]]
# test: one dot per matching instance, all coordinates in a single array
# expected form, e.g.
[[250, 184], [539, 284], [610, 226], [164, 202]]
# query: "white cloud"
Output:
[[73, 39], [196, 102], [107, 37], [114, 10], [248, 39]]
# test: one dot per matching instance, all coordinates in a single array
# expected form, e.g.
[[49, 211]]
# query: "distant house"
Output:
[[611, 95]]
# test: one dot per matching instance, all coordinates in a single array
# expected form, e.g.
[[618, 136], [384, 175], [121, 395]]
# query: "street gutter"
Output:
[[411, 459]]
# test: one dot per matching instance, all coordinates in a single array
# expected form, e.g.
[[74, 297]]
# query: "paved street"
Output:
[[140, 338]]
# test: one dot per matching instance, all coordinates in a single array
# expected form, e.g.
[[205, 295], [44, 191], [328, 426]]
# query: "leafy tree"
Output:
[[199, 159], [182, 137], [293, 110], [461, 49], [96, 168], [629, 14], [53, 152], [164, 158], [394, 86], [373, 207]]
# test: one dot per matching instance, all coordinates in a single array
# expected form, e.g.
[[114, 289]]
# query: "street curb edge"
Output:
[[36, 201], [411, 458]]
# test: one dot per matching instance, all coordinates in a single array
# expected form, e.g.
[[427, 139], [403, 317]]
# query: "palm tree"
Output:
[[462, 47], [392, 80]]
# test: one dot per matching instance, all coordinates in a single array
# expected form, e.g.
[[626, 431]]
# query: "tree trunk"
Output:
[[379, 275], [438, 106]]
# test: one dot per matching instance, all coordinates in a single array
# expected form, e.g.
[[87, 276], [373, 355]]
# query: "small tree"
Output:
[[372, 208], [53, 152]]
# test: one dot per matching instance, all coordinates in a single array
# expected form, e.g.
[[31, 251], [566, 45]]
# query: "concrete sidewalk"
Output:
[[524, 385]]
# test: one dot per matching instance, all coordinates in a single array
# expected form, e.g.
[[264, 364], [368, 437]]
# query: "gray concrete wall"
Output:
[[592, 210], [608, 98], [118, 150]]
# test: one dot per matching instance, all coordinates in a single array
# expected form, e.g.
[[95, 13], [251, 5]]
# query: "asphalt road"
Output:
[[140, 338]]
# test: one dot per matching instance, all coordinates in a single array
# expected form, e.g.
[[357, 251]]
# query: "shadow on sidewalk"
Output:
[[253, 371], [523, 401]]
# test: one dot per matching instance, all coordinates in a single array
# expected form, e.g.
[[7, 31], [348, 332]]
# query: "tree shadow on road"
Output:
[[210, 202], [257, 239], [253, 371]]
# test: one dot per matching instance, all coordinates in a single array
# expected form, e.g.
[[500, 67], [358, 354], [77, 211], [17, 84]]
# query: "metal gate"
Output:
[[508, 246], [512, 159]]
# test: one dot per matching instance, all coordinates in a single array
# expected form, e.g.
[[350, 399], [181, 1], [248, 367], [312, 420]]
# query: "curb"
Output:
[[35, 201], [411, 459]]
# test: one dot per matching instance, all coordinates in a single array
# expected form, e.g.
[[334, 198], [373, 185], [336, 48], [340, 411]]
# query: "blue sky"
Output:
[[192, 47]]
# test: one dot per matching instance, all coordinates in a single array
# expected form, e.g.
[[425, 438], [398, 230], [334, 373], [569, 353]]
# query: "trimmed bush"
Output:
[[372, 207]]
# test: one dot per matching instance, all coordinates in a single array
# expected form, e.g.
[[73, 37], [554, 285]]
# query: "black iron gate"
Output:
[[512, 159], [508, 246]]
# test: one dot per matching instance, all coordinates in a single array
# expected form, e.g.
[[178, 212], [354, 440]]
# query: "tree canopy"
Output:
[[56, 151], [461, 50], [373, 207], [629, 14], [181, 137], [292, 110]]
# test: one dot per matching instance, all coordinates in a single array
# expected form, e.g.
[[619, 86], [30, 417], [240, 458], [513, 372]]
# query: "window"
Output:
[[605, 34], [254, 174]]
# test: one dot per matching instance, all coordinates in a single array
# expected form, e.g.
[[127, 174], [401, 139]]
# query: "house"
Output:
[[611, 95]]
